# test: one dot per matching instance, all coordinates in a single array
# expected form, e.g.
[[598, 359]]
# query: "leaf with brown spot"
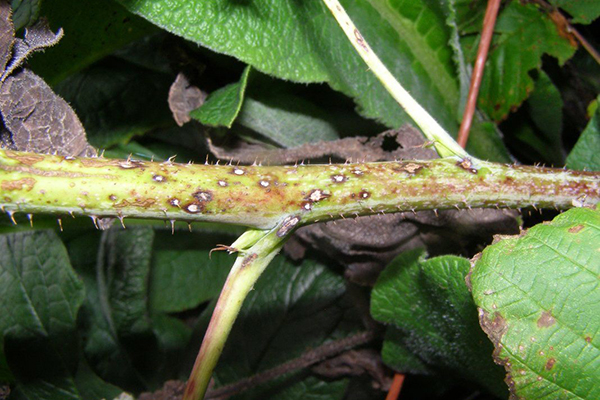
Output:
[[539, 304]]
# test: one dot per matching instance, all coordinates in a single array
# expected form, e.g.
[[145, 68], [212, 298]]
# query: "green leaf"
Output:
[[291, 310], [222, 107], [535, 131], [522, 36], [184, 275], [40, 296], [539, 304], [120, 343], [582, 11], [286, 119], [430, 303], [300, 41], [117, 100], [25, 12], [585, 154], [93, 30]]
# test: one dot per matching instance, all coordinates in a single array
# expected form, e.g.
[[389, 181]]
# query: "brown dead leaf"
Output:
[[184, 98]]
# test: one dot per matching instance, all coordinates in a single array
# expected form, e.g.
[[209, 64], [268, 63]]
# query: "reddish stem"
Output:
[[487, 32], [394, 391]]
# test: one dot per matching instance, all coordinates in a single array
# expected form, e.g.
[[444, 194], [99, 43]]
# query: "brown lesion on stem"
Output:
[[19, 184]]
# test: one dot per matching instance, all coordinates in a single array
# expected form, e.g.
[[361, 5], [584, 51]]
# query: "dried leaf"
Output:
[[7, 34], [37, 37], [403, 143], [183, 98], [35, 118], [38, 119]]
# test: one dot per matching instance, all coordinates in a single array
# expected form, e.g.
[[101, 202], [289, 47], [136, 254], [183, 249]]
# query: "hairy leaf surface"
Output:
[[428, 301], [539, 304]]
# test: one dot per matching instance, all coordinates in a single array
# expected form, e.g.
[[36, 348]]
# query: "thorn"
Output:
[[206, 162], [60, 223], [342, 216], [2, 208], [30, 218], [102, 153], [217, 163], [95, 220], [72, 215], [457, 207], [223, 247], [330, 160], [129, 158], [435, 211], [152, 158], [189, 226], [122, 221], [172, 226], [413, 211], [172, 158], [11, 215]]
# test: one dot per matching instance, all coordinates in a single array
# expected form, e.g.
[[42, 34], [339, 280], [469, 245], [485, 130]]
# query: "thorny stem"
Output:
[[264, 196], [444, 143], [249, 265]]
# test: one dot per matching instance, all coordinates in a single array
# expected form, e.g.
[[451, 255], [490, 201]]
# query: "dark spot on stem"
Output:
[[203, 196], [550, 363], [248, 260], [364, 194], [467, 165], [159, 178], [287, 225], [360, 40], [339, 178], [193, 208], [174, 202], [112, 197]]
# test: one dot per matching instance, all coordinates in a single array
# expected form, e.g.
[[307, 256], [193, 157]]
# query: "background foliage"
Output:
[[88, 314]]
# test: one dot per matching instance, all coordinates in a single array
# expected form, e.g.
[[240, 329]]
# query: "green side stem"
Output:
[[249, 265]]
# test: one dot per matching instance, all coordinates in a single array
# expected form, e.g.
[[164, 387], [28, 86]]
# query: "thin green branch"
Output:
[[444, 143], [247, 268]]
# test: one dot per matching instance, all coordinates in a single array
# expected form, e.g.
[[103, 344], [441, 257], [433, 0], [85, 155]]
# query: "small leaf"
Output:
[[539, 305], [222, 107], [585, 154], [429, 302]]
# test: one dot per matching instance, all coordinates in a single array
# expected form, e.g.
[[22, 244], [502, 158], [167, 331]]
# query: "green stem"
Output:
[[261, 197], [444, 143], [247, 268]]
